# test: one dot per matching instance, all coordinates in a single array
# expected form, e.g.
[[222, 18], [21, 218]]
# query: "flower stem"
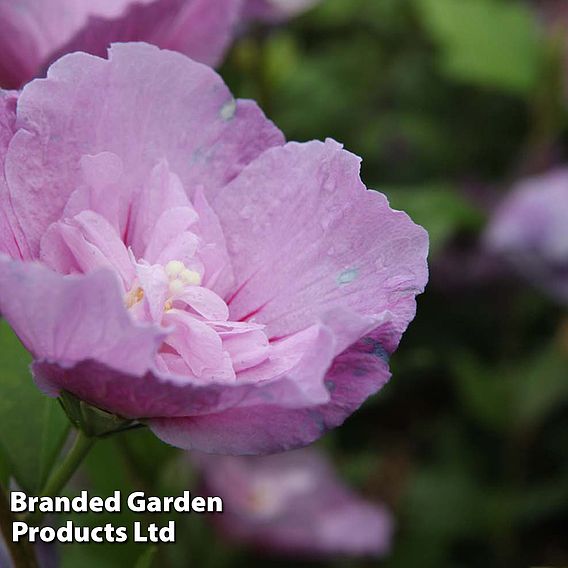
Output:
[[69, 466], [21, 552], [59, 478]]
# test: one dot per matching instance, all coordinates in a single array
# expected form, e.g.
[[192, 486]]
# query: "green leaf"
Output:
[[33, 426], [484, 392], [444, 501], [523, 395], [486, 42], [541, 387]]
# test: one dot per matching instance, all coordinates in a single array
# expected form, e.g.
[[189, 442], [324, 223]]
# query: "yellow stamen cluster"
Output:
[[135, 296], [179, 278]]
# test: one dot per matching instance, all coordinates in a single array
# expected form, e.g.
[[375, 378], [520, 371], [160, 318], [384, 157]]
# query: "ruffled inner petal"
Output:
[[161, 193], [205, 302], [91, 242], [199, 346], [248, 348]]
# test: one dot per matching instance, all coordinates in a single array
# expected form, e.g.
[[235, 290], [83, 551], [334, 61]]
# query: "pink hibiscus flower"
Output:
[[529, 231], [169, 258], [294, 503], [34, 33]]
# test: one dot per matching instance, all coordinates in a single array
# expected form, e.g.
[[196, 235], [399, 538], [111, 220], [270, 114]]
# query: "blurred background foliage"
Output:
[[447, 101]]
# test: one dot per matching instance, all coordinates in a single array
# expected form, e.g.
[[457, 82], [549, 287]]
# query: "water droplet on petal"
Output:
[[347, 276], [228, 110]]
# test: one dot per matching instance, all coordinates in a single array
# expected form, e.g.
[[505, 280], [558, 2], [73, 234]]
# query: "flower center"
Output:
[[180, 277]]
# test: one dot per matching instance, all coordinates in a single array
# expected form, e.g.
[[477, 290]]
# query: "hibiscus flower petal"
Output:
[[201, 29], [219, 275], [36, 32], [161, 193], [160, 393], [85, 342], [205, 302], [247, 349], [199, 346], [91, 242], [355, 375], [89, 105], [31, 31], [296, 252], [12, 241], [102, 177], [74, 318]]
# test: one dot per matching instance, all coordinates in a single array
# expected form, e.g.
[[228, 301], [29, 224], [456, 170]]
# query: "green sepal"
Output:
[[93, 421]]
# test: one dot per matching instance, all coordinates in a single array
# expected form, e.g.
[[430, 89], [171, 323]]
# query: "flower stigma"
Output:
[[179, 278]]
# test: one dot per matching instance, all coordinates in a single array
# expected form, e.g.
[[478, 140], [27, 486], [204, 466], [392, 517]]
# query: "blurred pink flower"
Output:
[[529, 229], [294, 503], [275, 10], [33, 33], [184, 266]]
